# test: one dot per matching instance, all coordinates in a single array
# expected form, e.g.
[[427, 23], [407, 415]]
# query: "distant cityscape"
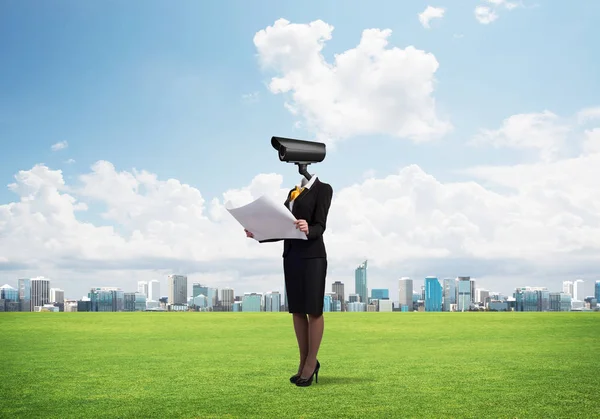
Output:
[[448, 295]]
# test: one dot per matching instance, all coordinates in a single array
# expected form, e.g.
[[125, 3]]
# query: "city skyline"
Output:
[[457, 144]]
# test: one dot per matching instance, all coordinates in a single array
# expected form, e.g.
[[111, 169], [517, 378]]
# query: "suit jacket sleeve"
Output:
[[319, 221]]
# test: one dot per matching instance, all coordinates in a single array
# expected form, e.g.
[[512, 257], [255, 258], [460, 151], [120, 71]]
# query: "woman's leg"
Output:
[[301, 327], [316, 326]]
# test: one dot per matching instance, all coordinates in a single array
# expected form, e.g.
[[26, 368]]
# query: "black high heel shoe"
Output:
[[305, 382], [295, 378]]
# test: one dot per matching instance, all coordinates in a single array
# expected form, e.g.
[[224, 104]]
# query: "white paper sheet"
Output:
[[267, 219]]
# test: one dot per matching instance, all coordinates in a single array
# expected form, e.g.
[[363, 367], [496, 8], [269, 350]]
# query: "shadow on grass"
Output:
[[340, 380]]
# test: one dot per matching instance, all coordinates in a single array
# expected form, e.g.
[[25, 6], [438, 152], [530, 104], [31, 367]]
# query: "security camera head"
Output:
[[298, 151]]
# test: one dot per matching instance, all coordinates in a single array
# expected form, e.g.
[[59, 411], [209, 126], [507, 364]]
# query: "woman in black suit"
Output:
[[305, 270]]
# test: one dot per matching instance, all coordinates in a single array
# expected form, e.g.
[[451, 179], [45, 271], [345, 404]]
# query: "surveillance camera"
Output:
[[298, 151]]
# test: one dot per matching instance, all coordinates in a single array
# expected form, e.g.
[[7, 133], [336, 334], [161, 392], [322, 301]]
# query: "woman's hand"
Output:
[[302, 225], [249, 234]]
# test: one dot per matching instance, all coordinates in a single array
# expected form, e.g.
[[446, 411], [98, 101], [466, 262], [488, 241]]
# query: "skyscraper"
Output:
[[227, 298], [57, 295], [154, 290], [252, 301], [40, 291], [273, 301], [177, 289], [360, 282], [568, 288], [578, 293], [143, 288], [473, 289], [433, 294], [338, 288], [463, 293], [380, 294], [597, 291], [405, 294], [25, 294], [449, 297]]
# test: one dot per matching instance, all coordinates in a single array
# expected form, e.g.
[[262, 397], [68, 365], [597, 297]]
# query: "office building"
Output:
[[463, 292], [380, 294], [481, 295], [103, 299], [177, 289], [532, 299], [327, 302], [354, 298], [385, 306], [433, 294], [25, 294], [578, 293], [9, 293], [449, 296], [57, 295], [143, 288], [252, 301], [473, 289], [227, 298], [360, 282], [405, 294], [568, 288], [134, 301], [356, 307], [40, 291], [273, 301], [338, 288], [560, 301], [153, 290], [597, 291]]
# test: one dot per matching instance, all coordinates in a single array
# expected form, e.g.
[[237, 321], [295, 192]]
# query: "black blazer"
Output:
[[311, 205]]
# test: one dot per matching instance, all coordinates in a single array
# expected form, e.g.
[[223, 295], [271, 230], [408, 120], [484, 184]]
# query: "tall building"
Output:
[[380, 294], [433, 294], [57, 295], [568, 288], [578, 293], [481, 295], [463, 292], [532, 299], [177, 289], [360, 282], [338, 288], [227, 298], [153, 290], [143, 288], [40, 291], [25, 294], [597, 291], [106, 299], [405, 294], [273, 301], [560, 301], [449, 296], [252, 301], [473, 290], [328, 302]]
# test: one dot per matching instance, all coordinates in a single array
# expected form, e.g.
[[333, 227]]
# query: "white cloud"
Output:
[[429, 14], [367, 90], [59, 146], [70, 161], [543, 131], [533, 220], [487, 14], [588, 114], [591, 142]]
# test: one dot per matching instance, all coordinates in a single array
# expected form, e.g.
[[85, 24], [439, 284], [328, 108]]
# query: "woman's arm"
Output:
[[319, 221]]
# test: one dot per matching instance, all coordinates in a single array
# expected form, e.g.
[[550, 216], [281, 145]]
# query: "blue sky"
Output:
[[148, 85], [161, 86]]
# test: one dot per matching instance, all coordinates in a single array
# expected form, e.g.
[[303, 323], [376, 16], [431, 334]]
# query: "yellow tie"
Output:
[[295, 193]]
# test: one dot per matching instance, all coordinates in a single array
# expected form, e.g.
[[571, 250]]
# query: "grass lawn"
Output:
[[237, 365]]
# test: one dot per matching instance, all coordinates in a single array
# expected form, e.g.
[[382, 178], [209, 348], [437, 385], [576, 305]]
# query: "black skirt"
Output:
[[305, 284]]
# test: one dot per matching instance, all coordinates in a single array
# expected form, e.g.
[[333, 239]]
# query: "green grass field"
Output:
[[237, 365]]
